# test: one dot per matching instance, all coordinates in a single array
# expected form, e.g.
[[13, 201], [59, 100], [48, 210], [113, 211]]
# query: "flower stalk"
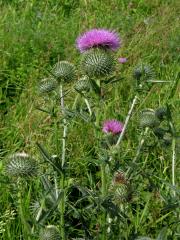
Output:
[[62, 180]]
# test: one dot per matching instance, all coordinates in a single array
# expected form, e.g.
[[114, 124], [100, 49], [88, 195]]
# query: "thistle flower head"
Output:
[[21, 165], [97, 63], [64, 71], [50, 233], [112, 126], [98, 38]]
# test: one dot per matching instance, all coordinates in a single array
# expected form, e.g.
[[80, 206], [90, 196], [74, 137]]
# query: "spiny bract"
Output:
[[149, 119], [97, 63], [143, 71], [64, 71], [47, 85], [49, 233], [83, 85], [21, 165]]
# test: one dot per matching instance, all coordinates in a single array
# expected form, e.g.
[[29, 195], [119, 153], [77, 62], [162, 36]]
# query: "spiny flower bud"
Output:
[[143, 71], [47, 85], [50, 232], [121, 194], [120, 188], [120, 178], [161, 113], [97, 63], [83, 85], [64, 71], [149, 119], [21, 165]]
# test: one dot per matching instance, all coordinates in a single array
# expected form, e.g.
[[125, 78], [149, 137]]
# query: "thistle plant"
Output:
[[98, 63], [109, 198], [63, 72]]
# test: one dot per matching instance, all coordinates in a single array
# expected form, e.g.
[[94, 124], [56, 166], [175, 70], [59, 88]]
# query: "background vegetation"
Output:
[[33, 36]]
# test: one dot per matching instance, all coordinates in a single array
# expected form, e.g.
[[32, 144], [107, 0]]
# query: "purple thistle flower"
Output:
[[112, 126], [98, 38], [122, 60]]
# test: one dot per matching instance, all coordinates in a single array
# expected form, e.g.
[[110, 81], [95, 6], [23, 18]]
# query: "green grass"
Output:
[[33, 36]]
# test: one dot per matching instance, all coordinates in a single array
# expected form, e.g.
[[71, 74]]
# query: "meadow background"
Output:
[[33, 36]]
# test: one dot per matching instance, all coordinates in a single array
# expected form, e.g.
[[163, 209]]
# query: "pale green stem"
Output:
[[173, 162], [88, 106], [127, 120], [126, 123], [171, 125], [62, 203], [75, 101]]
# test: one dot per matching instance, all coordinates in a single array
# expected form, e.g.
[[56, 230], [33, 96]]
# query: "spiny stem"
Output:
[[173, 132], [88, 106], [134, 102], [173, 162], [75, 101], [62, 203], [127, 120]]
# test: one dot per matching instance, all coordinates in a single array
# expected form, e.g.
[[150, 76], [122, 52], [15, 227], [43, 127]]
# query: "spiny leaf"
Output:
[[48, 158]]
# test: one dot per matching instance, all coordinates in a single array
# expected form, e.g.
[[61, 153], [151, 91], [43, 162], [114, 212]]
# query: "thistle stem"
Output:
[[173, 132], [127, 120], [173, 162], [134, 102], [88, 106], [62, 203]]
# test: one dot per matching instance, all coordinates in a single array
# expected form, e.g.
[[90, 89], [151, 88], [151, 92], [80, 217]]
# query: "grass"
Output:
[[33, 36]]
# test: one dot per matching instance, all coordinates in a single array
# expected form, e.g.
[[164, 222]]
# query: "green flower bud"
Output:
[[143, 71], [120, 188], [47, 85], [64, 71], [149, 119], [83, 85], [21, 165]]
